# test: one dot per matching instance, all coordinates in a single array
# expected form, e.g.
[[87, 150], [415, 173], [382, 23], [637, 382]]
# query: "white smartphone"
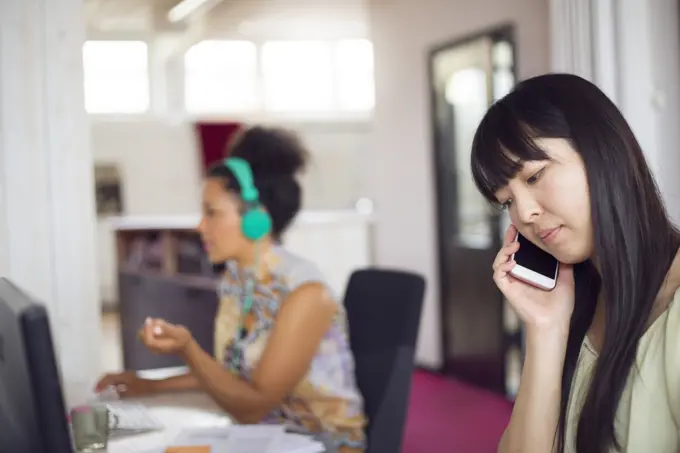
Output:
[[534, 265]]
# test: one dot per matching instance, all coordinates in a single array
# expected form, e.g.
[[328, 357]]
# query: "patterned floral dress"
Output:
[[327, 399]]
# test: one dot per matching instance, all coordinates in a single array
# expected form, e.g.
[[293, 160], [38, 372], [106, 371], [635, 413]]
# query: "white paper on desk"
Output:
[[235, 439], [217, 438], [249, 439], [298, 443]]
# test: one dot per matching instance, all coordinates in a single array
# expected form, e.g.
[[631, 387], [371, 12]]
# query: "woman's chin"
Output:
[[571, 258]]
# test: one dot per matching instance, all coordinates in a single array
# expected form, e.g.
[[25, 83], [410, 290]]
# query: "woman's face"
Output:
[[549, 203], [220, 226]]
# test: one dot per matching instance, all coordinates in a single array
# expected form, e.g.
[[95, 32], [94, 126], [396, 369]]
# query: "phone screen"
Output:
[[534, 258]]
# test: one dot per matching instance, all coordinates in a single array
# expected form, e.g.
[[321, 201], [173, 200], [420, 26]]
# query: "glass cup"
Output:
[[91, 427]]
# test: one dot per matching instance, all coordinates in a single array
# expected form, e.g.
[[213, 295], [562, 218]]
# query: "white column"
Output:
[[664, 23], [47, 219], [636, 69], [605, 47], [570, 25], [583, 36]]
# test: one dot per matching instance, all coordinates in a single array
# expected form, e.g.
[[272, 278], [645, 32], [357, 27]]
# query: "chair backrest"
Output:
[[383, 312]]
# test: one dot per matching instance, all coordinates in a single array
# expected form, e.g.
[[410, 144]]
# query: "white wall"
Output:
[[402, 32], [160, 162], [649, 56]]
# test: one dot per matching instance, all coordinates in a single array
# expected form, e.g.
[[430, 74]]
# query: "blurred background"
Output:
[[110, 111]]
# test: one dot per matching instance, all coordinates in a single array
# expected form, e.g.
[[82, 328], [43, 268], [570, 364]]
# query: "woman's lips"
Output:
[[549, 235]]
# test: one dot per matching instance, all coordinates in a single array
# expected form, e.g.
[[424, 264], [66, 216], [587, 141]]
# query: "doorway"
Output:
[[480, 340]]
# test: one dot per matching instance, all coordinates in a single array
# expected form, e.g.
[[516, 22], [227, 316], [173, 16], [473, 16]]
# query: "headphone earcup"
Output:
[[256, 224]]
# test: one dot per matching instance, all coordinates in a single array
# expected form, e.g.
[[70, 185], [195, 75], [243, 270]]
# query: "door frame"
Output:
[[505, 32]]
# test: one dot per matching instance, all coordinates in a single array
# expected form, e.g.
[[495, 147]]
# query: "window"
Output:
[[354, 73], [298, 76], [286, 76], [116, 76], [503, 65], [221, 76], [318, 75], [467, 92]]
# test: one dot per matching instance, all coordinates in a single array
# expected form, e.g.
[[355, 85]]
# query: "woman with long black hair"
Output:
[[602, 366]]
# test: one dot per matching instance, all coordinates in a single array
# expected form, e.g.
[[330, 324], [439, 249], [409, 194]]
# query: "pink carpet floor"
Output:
[[448, 416]]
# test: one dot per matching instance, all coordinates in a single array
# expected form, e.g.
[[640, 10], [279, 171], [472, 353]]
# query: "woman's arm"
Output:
[[535, 416], [303, 319], [128, 385], [179, 383]]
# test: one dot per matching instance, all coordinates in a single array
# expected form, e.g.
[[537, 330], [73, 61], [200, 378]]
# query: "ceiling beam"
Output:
[[185, 9]]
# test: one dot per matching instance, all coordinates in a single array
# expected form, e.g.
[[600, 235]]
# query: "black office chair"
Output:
[[383, 311]]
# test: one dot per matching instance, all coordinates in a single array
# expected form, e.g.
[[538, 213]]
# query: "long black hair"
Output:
[[635, 242]]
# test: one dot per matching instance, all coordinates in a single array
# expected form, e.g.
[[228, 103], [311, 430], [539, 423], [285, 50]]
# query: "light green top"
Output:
[[648, 416]]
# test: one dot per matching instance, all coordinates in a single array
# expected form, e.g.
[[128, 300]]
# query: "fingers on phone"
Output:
[[507, 266], [510, 235], [504, 268], [505, 254], [502, 275]]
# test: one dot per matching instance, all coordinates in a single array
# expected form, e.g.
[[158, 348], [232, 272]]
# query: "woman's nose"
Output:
[[201, 226], [527, 208]]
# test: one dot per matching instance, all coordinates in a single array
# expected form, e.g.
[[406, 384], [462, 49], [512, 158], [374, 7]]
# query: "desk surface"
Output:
[[177, 411]]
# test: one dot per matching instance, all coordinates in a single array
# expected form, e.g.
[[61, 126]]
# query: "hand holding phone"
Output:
[[541, 290]]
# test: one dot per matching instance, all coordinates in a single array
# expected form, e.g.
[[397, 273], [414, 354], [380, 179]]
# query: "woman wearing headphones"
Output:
[[281, 346]]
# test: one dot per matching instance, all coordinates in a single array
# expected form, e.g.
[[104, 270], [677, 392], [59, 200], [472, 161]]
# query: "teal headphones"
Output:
[[255, 225], [255, 221]]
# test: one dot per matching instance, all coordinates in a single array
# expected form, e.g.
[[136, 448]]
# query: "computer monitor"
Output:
[[33, 415]]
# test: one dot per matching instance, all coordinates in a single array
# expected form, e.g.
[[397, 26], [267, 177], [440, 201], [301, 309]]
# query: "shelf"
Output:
[[164, 273], [189, 281], [171, 252], [189, 222]]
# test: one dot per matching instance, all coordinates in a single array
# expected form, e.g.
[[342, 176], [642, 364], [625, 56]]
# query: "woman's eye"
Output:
[[536, 176], [506, 205]]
